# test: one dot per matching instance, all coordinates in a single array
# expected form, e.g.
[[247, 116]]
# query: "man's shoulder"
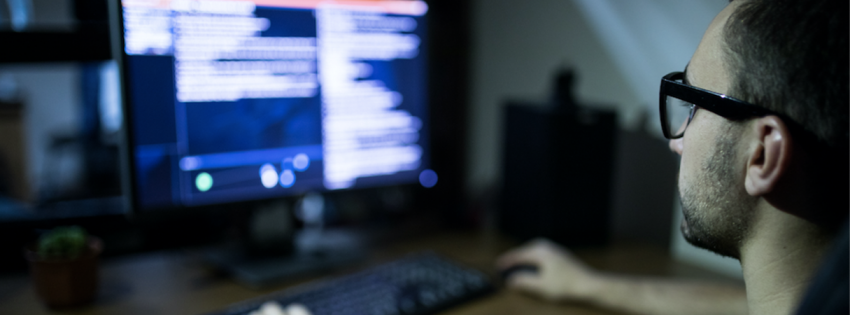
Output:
[[829, 292]]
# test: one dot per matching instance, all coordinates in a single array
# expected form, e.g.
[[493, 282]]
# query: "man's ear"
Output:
[[770, 158]]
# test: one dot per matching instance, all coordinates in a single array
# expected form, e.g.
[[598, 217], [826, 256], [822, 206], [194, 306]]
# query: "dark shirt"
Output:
[[829, 292]]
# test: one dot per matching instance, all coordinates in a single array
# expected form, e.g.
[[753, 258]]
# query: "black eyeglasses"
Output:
[[679, 101]]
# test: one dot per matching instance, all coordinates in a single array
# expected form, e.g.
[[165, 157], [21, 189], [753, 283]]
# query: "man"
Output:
[[764, 167]]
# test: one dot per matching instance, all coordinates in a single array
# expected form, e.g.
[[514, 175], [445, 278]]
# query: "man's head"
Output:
[[764, 52], [792, 57]]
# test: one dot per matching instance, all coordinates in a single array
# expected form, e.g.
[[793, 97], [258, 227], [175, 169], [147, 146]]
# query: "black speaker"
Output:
[[557, 173]]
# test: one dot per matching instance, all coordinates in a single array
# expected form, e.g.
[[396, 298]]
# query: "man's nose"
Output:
[[676, 145]]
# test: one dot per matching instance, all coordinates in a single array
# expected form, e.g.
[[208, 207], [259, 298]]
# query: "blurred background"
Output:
[[598, 62]]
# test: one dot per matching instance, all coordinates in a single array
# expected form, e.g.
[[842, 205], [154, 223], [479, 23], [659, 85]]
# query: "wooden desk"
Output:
[[177, 283]]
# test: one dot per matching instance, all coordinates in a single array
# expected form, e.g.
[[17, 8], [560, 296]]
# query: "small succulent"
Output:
[[66, 242]]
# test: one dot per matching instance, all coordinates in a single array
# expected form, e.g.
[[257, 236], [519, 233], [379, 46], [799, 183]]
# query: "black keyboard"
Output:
[[414, 285]]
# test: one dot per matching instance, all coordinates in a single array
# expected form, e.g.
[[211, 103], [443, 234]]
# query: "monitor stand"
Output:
[[274, 253]]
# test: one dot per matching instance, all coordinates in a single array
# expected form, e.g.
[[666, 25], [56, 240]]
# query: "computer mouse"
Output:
[[507, 273]]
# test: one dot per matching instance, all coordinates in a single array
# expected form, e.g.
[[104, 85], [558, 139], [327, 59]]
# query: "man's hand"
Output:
[[559, 276]]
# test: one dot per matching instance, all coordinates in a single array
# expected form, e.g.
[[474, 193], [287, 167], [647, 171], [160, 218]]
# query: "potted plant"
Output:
[[63, 266]]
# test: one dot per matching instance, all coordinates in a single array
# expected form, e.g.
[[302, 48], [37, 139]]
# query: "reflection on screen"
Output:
[[238, 100]]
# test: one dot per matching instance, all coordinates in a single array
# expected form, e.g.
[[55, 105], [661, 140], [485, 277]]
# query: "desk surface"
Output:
[[177, 282]]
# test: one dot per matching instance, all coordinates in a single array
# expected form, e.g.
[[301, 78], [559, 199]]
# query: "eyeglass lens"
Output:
[[678, 112]]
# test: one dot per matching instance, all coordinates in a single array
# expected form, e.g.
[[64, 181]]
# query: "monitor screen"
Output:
[[229, 101]]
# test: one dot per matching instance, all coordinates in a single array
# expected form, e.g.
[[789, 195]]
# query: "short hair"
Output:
[[791, 56]]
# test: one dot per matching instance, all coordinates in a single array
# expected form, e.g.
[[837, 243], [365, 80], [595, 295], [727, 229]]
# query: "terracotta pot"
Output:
[[62, 283]]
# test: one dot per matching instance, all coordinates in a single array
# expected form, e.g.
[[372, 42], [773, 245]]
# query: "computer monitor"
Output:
[[232, 101]]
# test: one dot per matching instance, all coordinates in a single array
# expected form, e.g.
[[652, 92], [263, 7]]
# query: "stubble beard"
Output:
[[717, 210]]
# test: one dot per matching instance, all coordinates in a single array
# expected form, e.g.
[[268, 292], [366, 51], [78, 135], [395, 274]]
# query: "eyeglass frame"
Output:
[[723, 105]]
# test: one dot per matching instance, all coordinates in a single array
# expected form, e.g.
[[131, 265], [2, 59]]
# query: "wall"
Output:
[[517, 46], [620, 50], [51, 98]]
